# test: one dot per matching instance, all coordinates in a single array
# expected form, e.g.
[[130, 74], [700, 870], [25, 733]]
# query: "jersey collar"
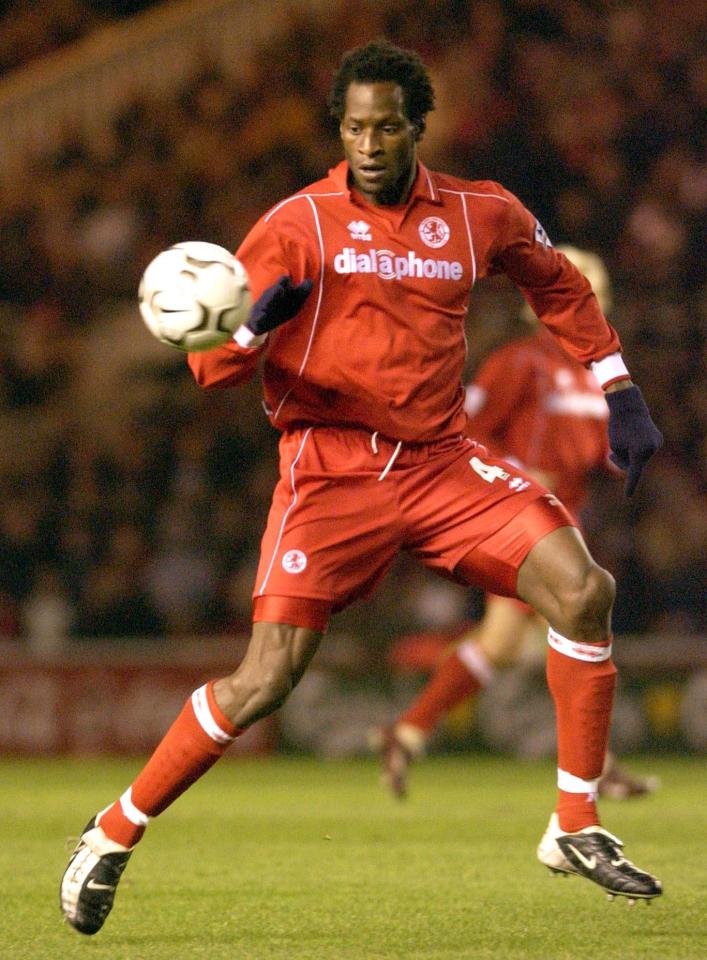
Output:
[[424, 187]]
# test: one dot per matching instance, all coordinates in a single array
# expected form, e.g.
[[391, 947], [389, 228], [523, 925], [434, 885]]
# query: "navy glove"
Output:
[[633, 437], [278, 304]]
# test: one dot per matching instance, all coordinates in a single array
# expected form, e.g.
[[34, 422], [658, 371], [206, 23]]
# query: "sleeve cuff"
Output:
[[247, 339], [610, 369]]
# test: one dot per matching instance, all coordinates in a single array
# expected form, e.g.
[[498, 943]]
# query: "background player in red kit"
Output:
[[533, 405], [361, 284]]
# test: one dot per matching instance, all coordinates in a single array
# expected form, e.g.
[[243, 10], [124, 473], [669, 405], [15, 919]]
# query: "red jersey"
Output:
[[380, 343], [531, 402]]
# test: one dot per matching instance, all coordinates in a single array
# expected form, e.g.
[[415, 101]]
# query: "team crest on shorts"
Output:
[[294, 561], [434, 231]]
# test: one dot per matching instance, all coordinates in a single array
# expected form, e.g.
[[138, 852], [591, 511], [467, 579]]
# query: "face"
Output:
[[379, 142]]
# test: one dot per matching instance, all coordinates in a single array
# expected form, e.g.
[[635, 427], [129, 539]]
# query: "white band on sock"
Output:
[[203, 714], [131, 812], [591, 652], [571, 784], [475, 662]]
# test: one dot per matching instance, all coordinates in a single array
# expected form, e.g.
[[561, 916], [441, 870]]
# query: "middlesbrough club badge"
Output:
[[294, 561], [434, 231]]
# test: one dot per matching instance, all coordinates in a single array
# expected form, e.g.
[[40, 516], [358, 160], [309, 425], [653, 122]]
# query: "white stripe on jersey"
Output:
[[320, 238], [309, 198], [299, 196], [471, 193], [470, 239]]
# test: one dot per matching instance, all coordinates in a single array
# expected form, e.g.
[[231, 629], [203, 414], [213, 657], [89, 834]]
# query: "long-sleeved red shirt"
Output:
[[531, 402], [380, 343]]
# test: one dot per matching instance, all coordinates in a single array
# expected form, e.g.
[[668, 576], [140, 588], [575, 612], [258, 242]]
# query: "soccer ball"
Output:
[[194, 295]]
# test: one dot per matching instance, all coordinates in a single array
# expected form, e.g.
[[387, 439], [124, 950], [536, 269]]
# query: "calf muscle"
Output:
[[277, 657]]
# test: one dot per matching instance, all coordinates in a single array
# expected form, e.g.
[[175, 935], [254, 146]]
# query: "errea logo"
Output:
[[359, 230]]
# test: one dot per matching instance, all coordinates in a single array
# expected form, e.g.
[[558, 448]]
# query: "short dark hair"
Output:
[[382, 62]]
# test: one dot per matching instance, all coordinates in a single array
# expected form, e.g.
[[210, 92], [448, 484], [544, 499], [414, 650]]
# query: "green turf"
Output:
[[306, 860]]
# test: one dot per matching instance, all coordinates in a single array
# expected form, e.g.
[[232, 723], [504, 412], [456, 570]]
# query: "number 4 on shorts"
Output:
[[488, 471]]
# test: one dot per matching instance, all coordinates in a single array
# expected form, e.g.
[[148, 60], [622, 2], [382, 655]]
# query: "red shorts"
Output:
[[348, 501], [508, 530]]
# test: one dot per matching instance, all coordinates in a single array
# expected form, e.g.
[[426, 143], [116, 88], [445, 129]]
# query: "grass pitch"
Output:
[[297, 859]]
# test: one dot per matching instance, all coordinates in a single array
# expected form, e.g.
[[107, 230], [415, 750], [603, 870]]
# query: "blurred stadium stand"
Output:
[[79, 86], [125, 133], [118, 698]]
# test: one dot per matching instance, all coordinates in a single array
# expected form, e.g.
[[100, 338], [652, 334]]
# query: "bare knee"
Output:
[[586, 603], [562, 582], [597, 596]]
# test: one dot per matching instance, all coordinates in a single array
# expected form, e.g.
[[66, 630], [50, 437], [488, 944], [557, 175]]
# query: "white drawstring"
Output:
[[390, 463]]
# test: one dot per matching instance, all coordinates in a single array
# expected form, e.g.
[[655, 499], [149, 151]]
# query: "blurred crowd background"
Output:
[[131, 504]]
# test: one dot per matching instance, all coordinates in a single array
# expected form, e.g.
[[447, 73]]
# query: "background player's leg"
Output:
[[495, 642], [504, 630], [560, 580]]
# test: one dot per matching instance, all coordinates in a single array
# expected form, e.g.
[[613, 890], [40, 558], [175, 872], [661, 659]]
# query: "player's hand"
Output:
[[278, 304], [633, 437]]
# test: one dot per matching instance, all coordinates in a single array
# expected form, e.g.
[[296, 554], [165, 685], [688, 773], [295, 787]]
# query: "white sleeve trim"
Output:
[[246, 338], [609, 368]]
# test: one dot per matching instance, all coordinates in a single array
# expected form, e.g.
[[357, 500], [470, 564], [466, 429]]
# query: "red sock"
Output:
[[581, 678], [195, 741], [456, 679]]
